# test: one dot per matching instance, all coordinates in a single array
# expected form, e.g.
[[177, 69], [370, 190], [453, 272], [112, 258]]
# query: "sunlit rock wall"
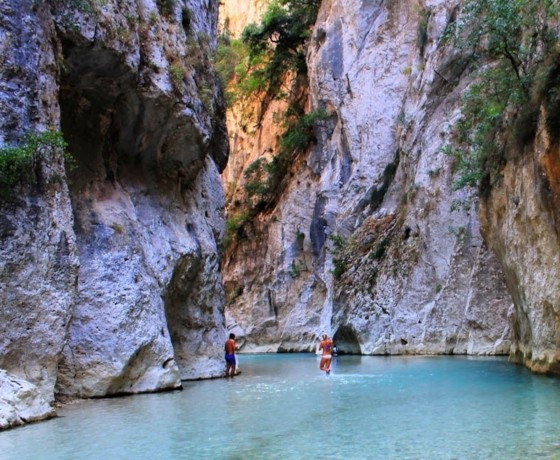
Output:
[[375, 193], [110, 271], [234, 16], [521, 222]]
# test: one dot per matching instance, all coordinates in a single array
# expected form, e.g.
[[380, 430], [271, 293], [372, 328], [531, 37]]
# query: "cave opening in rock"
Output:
[[347, 341], [102, 118]]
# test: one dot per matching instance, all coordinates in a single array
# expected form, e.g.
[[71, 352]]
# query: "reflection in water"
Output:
[[284, 407]]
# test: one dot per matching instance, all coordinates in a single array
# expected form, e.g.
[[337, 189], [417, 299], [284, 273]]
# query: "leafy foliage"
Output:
[[229, 55], [231, 62], [339, 261], [256, 186], [165, 7], [277, 44], [177, 74], [505, 39], [17, 162], [263, 178], [84, 6], [257, 64], [422, 38], [294, 271], [300, 134], [234, 228], [484, 109], [380, 248], [268, 63]]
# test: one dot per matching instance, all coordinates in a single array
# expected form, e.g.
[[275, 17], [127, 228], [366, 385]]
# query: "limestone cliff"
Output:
[[363, 242], [234, 16], [110, 271], [520, 221]]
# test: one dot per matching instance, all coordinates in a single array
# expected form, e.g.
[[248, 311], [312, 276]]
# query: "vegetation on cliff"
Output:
[[258, 63], [263, 178], [266, 64], [18, 162], [513, 48], [277, 45]]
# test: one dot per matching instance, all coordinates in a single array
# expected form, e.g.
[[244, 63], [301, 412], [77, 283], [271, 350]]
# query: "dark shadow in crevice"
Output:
[[346, 339]]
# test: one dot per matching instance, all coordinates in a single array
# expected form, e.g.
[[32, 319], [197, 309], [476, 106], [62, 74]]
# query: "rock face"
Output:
[[111, 279], [234, 16], [147, 213], [21, 402], [363, 242], [520, 220], [110, 272], [38, 253]]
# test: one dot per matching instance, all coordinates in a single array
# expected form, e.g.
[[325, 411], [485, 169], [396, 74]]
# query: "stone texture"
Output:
[[93, 260], [38, 261], [110, 281], [21, 402], [520, 221], [146, 198], [418, 277]]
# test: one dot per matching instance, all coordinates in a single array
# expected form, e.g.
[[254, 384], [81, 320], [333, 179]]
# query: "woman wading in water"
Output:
[[326, 346]]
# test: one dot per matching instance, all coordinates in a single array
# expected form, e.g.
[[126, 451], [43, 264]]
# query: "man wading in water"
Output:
[[326, 346], [230, 356]]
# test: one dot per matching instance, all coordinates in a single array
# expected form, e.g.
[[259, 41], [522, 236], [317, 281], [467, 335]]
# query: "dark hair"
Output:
[[232, 336]]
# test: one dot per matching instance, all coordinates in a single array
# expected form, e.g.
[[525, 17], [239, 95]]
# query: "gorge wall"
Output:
[[520, 221], [370, 240], [110, 271], [365, 241]]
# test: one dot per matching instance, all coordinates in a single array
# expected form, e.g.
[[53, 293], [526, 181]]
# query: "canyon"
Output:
[[118, 274]]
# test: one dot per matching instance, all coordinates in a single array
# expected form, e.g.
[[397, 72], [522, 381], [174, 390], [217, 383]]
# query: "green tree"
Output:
[[268, 63], [234, 228], [277, 44], [505, 40], [263, 178], [339, 257]]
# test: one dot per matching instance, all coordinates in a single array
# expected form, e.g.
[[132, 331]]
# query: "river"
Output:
[[283, 407]]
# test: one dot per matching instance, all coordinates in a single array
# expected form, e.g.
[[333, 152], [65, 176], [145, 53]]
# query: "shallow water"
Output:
[[283, 407]]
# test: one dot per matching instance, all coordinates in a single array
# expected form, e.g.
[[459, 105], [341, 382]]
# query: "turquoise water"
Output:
[[283, 407]]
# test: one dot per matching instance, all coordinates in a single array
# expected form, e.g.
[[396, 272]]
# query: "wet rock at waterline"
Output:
[[21, 402]]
